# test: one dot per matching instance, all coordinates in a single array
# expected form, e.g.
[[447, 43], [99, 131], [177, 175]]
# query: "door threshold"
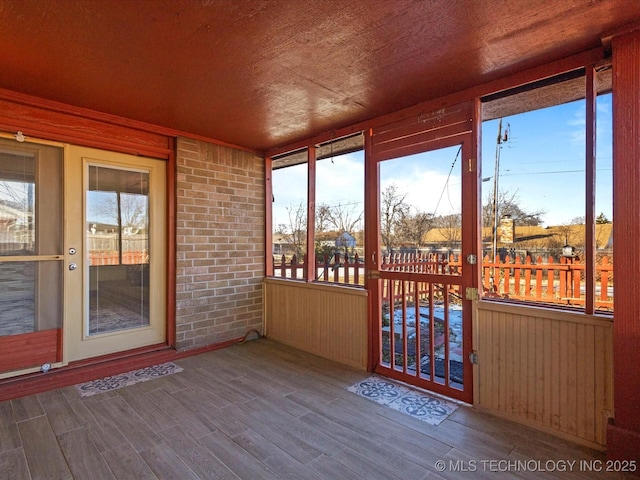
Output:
[[98, 367]]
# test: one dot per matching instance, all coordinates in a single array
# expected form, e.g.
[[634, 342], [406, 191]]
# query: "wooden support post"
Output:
[[310, 263], [623, 432], [268, 218]]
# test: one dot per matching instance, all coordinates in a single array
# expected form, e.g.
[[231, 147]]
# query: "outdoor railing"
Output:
[[434, 263], [341, 268], [539, 280], [335, 268]]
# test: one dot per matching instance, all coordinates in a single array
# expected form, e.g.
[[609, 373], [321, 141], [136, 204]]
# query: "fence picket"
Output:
[[550, 279], [604, 279]]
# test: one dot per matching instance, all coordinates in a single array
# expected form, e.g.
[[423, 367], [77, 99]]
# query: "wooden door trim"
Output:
[[461, 133]]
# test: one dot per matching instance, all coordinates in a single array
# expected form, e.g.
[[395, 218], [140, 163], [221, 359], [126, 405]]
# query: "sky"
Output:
[[543, 160], [542, 163], [339, 181]]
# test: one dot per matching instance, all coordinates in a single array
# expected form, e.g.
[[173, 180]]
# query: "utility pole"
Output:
[[502, 137]]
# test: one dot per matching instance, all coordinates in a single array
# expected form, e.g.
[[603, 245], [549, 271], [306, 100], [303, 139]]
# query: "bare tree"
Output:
[[572, 233], [294, 233], [17, 195], [129, 211], [392, 209], [451, 226], [509, 204], [341, 218], [18, 198], [323, 215], [413, 228]]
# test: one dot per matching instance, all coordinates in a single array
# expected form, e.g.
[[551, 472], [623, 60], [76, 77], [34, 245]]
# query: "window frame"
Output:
[[589, 73], [335, 147]]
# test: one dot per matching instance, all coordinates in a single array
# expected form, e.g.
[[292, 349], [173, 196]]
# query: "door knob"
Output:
[[72, 266]]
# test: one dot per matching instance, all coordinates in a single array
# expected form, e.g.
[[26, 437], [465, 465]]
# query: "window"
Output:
[[536, 242], [338, 229], [289, 227], [604, 204], [339, 223]]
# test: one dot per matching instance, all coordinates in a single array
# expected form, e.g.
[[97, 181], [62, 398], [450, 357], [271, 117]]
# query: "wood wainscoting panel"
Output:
[[326, 320], [552, 370]]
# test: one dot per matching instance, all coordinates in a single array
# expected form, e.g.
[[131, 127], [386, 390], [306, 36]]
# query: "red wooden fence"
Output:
[[336, 268], [431, 263], [544, 280], [113, 258], [547, 280]]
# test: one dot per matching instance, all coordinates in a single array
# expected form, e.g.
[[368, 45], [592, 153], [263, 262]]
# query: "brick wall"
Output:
[[220, 243]]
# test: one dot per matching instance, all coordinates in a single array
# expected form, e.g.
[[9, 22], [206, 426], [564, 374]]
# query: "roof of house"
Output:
[[531, 236]]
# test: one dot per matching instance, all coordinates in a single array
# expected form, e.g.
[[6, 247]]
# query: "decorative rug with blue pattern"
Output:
[[418, 404], [125, 379]]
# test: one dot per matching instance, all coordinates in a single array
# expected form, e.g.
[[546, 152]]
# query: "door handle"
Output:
[[72, 266]]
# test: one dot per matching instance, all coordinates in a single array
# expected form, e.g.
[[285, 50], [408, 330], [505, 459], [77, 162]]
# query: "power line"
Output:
[[447, 182], [543, 173]]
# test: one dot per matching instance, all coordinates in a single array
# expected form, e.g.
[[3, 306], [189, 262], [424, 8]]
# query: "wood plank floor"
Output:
[[264, 411]]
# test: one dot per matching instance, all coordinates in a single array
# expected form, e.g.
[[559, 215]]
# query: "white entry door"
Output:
[[115, 241]]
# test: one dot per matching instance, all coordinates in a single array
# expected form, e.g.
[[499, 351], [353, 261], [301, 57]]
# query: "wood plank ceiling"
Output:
[[263, 73]]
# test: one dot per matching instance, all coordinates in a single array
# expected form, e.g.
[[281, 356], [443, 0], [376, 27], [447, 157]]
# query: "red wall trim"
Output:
[[53, 108], [98, 367], [67, 127], [590, 190], [415, 136], [476, 210], [372, 248]]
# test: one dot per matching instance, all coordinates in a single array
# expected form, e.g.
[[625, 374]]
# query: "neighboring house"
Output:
[[345, 240], [14, 229]]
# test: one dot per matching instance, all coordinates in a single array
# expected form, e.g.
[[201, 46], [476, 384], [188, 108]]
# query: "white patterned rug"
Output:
[[125, 379], [417, 404]]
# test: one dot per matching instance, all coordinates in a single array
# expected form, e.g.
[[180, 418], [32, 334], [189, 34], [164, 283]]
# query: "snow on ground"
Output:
[[455, 326]]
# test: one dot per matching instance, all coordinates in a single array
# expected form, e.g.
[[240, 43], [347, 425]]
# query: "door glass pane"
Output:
[[117, 240], [421, 212], [30, 216], [30, 225], [421, 235], [17, 203]]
